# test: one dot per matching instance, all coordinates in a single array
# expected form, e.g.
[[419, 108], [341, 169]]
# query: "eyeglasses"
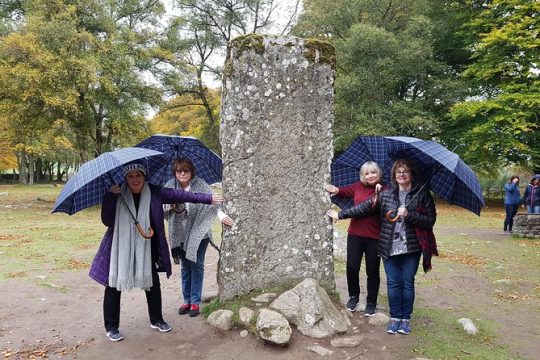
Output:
[[185, 171], [401, 173]]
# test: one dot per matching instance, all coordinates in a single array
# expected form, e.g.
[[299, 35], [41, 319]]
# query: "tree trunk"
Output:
[[31, 161], [21, 163]]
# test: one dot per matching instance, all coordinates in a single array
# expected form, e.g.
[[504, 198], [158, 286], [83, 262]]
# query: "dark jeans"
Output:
[[111, 304], [400, 272], [356, 247], [193, 275], [511, 211]]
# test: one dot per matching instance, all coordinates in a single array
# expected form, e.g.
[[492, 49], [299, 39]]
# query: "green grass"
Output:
[[438, 335], [35, 242]]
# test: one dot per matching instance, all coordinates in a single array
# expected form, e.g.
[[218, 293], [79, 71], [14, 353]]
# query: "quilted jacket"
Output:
[[389, 200]]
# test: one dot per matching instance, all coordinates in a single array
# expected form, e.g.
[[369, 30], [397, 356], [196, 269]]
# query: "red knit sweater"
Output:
[[368, 226]]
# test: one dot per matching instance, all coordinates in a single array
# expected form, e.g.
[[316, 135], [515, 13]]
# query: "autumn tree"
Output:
[[85, 64], [184, 116]]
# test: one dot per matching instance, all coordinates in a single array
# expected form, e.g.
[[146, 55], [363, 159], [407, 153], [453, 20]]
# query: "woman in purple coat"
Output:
[[130, 258]]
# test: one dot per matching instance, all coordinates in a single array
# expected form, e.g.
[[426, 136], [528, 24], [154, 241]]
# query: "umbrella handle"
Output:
[[141, 231], [390, 216]]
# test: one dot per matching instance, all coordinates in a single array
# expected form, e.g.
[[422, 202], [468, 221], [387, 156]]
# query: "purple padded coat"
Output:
[[99, 271]]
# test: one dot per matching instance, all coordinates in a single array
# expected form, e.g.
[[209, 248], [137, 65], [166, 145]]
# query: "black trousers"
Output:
[[356, 248], [111, 304], [511, 211]]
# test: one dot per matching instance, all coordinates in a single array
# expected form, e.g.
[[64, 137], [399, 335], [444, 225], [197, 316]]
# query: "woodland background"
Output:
[[81, 77]]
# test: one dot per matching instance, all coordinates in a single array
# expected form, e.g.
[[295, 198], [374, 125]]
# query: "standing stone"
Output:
[[276, 137]]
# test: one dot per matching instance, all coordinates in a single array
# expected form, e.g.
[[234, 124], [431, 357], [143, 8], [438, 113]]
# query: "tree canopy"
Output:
[[499, 124], [78, 77]]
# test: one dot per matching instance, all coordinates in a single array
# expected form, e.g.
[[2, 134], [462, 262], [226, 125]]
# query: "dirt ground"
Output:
[[64, 320]]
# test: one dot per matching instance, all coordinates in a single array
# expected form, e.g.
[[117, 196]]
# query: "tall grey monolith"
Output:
[[276, 137]]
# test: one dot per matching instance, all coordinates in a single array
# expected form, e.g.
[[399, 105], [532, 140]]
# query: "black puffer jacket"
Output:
[[389, 200]]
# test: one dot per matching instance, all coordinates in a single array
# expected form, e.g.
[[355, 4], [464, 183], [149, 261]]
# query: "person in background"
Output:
[[407, 213], [511, 202], [362, 237], [190, 233], [134, 248], [531, 196]]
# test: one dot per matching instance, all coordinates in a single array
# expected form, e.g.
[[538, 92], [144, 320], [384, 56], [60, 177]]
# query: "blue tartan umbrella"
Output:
[[95, 177], [208, 165], [443, 171]]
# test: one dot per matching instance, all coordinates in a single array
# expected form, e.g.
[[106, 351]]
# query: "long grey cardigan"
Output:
[[188, 230]]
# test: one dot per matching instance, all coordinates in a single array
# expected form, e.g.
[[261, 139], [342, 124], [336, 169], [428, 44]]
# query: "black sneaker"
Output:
[[114, 335], [195, 310], [162, 326], [352, 303], [184, 309], [370, 310]]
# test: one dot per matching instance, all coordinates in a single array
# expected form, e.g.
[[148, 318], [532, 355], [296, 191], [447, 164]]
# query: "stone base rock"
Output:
[[309, 308], [221, 319], [273, 327]]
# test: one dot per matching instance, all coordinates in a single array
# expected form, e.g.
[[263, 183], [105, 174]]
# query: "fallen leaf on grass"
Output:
[[16, 274], [10, 237], [77, 264], [464, 259], [529, 242]]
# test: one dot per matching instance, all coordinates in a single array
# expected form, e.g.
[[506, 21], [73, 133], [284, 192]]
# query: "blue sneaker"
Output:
[[114, 335], [161, 325], [352, 303], [393, 326], [404, 327]]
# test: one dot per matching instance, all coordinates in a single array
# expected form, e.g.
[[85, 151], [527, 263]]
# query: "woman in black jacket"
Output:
[[405, 210]]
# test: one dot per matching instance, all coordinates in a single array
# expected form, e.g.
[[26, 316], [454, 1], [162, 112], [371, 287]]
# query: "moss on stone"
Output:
[[248, 42], [326, 52]]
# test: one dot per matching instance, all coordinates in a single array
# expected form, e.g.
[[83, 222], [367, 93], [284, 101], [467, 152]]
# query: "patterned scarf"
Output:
[[187, 230]]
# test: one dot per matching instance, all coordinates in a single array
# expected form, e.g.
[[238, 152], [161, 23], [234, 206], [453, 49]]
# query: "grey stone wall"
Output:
[[527, 225], [276, 137]]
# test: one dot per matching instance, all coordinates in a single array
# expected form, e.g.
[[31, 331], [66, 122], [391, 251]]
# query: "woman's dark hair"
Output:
[[512, 179], [183, 164], [400, 163]]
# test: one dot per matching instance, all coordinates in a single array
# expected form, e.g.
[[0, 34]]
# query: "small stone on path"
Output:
[[319, 350]]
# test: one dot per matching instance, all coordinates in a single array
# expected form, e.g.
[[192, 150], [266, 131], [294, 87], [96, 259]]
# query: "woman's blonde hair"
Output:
[[369, 166]]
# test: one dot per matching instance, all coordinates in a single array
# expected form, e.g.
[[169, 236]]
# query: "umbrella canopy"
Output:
[[95, 177], [444, 171], [208, 165]]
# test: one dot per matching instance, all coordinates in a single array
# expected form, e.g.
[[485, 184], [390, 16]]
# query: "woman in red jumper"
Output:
[[363, 234]]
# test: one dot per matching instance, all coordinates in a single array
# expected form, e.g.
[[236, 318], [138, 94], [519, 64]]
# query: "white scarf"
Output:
[[131, 254]]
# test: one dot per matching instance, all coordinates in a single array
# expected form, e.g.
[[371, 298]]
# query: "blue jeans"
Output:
[[193, 275], [533, 209], [400, 271]]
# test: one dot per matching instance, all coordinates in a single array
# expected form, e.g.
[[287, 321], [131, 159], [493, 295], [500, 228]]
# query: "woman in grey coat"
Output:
[[190, 233]]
